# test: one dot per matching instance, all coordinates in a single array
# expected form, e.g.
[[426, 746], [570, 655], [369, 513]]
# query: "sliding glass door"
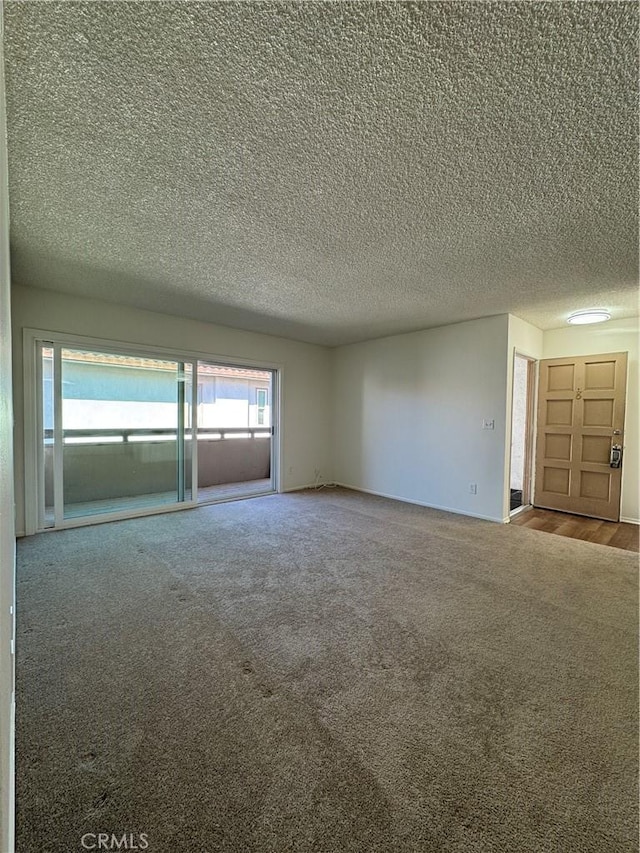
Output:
[[123, 433], [117, 432]]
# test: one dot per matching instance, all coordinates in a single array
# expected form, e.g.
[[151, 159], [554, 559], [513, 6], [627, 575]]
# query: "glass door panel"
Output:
[[123, 429], [46, 516], [235, 425]]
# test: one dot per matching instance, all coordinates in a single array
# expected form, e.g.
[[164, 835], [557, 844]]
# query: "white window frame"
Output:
[[33, 420]]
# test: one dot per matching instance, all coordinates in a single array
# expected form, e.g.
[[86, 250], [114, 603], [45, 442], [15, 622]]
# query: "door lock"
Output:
[[615, 460]]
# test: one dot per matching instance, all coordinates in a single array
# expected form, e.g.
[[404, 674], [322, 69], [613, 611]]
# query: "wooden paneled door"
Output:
[[581, 404]]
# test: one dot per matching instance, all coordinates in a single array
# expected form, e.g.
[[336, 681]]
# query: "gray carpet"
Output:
[[326, 672]]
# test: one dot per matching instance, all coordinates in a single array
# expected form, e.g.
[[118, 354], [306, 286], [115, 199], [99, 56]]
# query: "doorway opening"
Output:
[[580, 434], [521, 433]]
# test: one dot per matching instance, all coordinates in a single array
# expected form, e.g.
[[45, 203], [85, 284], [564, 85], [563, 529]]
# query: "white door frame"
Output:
[[529, 462], [33, 420]]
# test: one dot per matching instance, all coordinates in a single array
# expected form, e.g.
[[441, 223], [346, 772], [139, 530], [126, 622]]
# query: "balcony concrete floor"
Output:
[[208, 494]]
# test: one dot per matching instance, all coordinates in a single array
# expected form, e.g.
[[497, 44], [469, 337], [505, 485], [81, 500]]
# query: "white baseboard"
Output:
[[630, 520], [423, 503]]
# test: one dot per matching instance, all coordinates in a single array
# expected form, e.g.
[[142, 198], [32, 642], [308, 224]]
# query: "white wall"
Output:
[[408, 413], [7, 538], [612, 336], [306, 392]]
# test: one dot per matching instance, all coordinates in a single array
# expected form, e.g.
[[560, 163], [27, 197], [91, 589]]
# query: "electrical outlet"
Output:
[[488, 424], [291, 469], [473, 488]]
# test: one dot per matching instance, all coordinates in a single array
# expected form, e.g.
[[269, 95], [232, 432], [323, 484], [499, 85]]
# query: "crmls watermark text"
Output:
[[112, 841]]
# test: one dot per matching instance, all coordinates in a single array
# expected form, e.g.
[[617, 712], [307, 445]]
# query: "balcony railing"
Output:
[[101, 464], [124, 436]]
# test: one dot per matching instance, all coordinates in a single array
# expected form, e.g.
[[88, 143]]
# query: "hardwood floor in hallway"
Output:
[[615, 534]]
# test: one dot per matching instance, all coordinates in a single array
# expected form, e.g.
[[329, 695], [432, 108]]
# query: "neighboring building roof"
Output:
[[204, 368]]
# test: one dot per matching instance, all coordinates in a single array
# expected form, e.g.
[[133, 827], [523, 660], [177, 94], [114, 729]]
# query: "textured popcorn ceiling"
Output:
[[327, 171]]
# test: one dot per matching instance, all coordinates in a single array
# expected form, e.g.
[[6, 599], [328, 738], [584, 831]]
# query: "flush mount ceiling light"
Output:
[[581, 318]]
